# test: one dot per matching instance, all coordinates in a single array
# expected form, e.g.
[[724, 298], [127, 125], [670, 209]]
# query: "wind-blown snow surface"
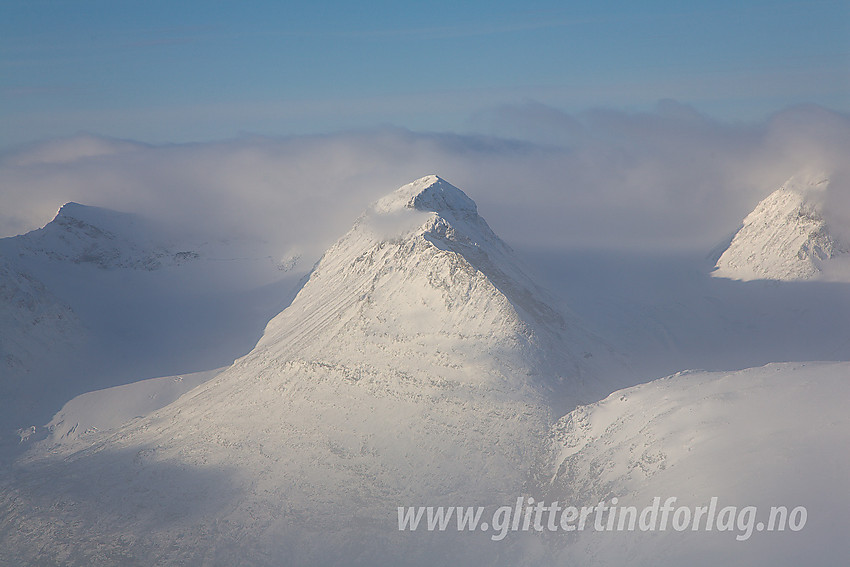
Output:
[[101, 410], [785, 237], [769, 436], [417, 364]]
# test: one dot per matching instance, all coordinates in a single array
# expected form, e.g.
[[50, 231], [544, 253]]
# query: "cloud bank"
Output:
[[667, 179]]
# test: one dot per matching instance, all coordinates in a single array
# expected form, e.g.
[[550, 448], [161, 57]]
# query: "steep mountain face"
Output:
[[784, 238], [418, 365]]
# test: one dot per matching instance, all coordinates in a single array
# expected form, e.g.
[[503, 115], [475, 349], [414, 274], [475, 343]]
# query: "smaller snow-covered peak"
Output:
[[785, 237], [430, 193], [70, 209], [104, 238], [96, 223], [75, 214]]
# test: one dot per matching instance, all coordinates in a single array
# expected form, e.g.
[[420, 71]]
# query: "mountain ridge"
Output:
[[106, 239]]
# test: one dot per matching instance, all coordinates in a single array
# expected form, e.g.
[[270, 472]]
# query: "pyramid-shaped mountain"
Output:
[[785, 237], [421, 274]]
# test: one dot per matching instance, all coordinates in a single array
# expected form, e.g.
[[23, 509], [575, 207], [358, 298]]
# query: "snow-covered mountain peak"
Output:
[[421, 270], [807, 183], [429, 207], [95, 222], [785, 237], [431, 194], [70, 208], [104, 238], [90, 214]]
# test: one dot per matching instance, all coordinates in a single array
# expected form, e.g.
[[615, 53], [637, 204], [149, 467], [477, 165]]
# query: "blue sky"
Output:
[[182, 71]]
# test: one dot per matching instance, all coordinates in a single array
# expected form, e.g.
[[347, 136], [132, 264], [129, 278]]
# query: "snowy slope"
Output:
[[39, 335], [33, 322], [769, 436], [418, 364], [101, 410], [99, 298], [785, 237]]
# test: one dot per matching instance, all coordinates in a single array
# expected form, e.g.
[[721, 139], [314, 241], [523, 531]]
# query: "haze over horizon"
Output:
[[163, 73]]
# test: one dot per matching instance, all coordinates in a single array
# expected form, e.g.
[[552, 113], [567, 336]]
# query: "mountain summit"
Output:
[[429, 193], [785, 237], [420, 268], [93, 236]]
